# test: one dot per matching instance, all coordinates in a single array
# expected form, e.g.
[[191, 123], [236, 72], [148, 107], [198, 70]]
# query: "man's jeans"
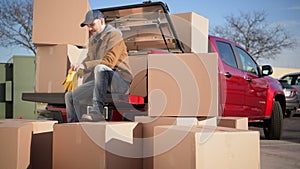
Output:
[[94, 92]]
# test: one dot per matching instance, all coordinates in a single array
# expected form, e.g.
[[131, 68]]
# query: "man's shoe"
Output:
[[92, 117]]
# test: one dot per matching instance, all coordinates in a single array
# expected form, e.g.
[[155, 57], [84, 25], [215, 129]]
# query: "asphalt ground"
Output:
[[284, 153]]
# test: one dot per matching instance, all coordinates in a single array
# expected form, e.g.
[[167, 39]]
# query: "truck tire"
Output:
[[273, 126]]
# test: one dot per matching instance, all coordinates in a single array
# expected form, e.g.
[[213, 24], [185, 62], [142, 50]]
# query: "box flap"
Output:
[[75, 54], [120, 131], [39, 126], [186, 121], [208, 122]]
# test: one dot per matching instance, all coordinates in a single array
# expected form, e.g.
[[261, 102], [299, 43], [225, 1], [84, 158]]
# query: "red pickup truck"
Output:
[[245, 89]]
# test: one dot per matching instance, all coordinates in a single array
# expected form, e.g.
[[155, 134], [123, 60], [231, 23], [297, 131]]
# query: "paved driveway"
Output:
[[284, 153]]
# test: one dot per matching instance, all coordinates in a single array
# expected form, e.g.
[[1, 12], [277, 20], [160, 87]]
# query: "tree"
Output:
[[16, 23], [260, 39]]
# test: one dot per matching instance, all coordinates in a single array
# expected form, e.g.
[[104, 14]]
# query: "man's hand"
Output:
[[77, 67]]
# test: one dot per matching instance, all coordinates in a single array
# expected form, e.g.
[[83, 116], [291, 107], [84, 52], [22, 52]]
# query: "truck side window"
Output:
[[248, 63], [226, 53]]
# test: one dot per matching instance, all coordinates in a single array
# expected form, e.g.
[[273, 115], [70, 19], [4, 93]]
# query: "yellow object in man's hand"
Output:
[[71, 81]]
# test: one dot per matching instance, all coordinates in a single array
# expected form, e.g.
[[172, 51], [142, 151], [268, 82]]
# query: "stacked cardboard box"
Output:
[[56, 22], [183, 84], [182, 91], [26, 143], [53, 33], [192, 31], [101, 145], [149, 123], [15, 145], [183, 94], [203, 147], [181, 88], [52, 62], [234, 122]]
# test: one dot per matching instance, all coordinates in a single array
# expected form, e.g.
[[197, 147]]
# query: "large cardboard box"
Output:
[[234, 122], [149, 123], [51, 68], [206, 147], [58, 22], [15, 141], [40, 147], [148, 134], [138, 64], [52, 62], [192, 31], [41, 144], [183, 84], [101, 145]]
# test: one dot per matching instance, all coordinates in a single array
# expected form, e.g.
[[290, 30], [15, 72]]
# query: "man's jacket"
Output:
[[108, 48]]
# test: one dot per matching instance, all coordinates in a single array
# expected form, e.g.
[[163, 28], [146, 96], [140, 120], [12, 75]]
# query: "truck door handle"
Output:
[[227, 74], [248, 79]]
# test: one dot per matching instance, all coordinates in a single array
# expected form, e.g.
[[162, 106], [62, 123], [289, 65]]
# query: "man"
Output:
[[104, 69]]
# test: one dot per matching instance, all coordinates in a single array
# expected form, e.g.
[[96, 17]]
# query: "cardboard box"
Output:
[[51, 68], [15, 145], [206, 148], [149, 123], [138, 64], [183, 84], [52, 63], [58, 22], [40, 147], [233, 122], [192, 30], [101, 145], [148, 134], [38, 126], [41, 144]]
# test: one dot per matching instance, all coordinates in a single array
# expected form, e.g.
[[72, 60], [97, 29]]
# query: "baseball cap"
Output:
[[91, 16]]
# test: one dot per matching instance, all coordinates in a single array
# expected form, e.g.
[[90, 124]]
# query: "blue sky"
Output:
[[285, 12]]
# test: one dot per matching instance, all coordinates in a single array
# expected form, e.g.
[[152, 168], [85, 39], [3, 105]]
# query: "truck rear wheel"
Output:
[[273, 126]]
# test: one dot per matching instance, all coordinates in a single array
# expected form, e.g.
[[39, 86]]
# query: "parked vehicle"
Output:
[[291, 97], [245, 89], [293, 79]]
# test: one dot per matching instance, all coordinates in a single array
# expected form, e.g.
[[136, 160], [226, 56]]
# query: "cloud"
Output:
[[287, 24], [290, 23], [294, 8]]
